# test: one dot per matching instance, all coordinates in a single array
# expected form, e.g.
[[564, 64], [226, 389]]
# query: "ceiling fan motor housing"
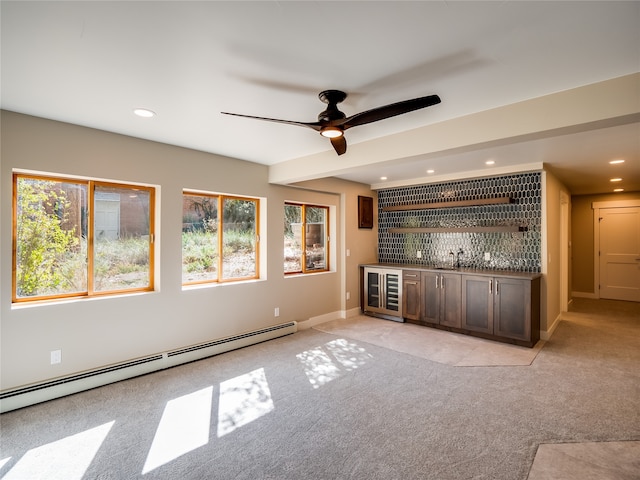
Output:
[[331, 98]]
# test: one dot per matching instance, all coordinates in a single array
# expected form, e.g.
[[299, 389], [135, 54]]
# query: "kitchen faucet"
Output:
[[455, 259]]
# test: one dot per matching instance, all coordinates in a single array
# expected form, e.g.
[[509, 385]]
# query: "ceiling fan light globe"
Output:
[[331, 132]]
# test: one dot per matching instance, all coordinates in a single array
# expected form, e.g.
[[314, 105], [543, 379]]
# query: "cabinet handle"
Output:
[[490, 287], [437, 281], [410, 275], [442, 281], [497, 284], [411, 283]]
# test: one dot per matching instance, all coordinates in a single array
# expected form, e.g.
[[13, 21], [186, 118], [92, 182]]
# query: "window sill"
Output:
[[68, 300]]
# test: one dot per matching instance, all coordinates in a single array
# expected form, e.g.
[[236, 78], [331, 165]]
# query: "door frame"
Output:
[[564, 251], [597, 206]]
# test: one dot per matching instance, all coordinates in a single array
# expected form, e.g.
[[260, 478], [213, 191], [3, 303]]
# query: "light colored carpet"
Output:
[[319, 406], [430, 343]]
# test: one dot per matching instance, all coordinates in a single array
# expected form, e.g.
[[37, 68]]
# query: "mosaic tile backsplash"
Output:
[[513, 251]]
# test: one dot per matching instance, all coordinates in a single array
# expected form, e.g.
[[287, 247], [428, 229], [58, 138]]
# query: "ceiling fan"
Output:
[[332, 122]]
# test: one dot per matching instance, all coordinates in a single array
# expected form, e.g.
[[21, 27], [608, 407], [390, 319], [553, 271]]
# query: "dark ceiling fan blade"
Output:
[[313, 125], [332, 121], [388, 111], [339, 144]]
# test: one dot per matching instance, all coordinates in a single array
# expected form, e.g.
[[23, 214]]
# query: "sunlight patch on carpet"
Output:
[[184, 426], [319, 364], [65, 459], [243, 399]]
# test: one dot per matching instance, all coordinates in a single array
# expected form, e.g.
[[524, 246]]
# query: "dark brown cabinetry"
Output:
[[411, 285], [441, 298], [477, 301], [501, 306], [504, 307]]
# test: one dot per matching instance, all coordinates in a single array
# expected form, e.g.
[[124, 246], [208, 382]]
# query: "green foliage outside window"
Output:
[[54, 241], [43, 246], [218, 247], [305, 237]]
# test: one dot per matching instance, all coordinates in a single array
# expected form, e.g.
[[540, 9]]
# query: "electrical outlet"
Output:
[[348, 295], [419, 254], [487, 256], [276, 312], [348, 252], [56, 357]]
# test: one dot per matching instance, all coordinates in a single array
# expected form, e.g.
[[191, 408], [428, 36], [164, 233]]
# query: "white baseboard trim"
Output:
[[584, 295], [546, 334], [24, 396], [327, 317]]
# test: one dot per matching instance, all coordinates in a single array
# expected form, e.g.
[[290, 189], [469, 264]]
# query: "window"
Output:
[[219, 238], [306, 237], [80, 237]]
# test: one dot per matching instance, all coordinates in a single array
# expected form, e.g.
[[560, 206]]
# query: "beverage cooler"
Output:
[[383, 293]]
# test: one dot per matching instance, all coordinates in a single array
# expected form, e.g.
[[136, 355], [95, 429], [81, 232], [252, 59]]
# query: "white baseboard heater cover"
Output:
[[60, 387]]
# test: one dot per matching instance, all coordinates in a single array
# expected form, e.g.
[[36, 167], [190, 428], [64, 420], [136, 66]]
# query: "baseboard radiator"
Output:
[[60, 387]]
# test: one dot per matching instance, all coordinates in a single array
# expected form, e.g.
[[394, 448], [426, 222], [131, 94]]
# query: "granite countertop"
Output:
[[466, 271]]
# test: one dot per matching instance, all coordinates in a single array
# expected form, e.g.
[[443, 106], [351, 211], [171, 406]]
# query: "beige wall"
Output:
[[95, 332], [551, 288], [360, 243], [582, 239]]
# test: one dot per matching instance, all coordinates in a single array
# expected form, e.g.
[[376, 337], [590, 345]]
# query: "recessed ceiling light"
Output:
[[615, 180], [431, 171], [383, 178], [144, 112], [615, 162], [490, 162], [618, 189]]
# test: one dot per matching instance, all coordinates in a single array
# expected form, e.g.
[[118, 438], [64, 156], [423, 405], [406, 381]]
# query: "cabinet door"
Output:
[[430, 297], [512, 308], [477, 303], [451, 300], [392, 295], [411, 295], [372, 289]]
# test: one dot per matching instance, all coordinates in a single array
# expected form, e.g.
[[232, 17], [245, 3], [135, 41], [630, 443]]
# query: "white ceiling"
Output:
[[91, 63]]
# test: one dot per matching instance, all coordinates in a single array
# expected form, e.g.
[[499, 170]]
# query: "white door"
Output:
[[107, 220], [620, 253]]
